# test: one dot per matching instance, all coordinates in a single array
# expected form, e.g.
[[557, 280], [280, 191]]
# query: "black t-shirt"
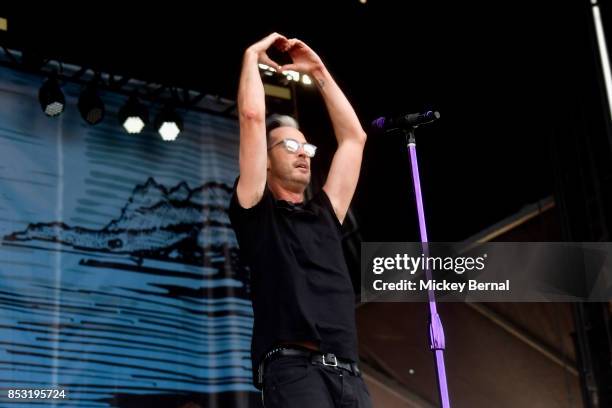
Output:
[[301, 288]]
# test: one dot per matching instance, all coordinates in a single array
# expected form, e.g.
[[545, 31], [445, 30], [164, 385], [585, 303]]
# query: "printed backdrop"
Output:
[[120, 281]]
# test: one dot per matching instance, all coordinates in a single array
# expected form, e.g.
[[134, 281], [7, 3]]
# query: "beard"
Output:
[[293, 176], [297, 176]]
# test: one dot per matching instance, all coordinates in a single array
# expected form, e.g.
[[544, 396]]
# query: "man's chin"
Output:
[[301, 174], [303, 179]]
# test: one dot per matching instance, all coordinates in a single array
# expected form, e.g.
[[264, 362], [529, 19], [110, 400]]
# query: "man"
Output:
[[304, 347]]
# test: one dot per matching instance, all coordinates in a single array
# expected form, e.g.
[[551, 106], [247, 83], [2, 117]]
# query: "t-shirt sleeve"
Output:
[[324, 201], [238, 214]]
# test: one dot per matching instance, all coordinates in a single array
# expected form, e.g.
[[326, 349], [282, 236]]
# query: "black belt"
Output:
[[326, 359]]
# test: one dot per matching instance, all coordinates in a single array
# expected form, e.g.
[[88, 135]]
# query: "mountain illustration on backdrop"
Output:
[[177, 225]]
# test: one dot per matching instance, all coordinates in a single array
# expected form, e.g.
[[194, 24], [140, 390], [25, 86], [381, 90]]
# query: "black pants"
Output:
[[295, 382]]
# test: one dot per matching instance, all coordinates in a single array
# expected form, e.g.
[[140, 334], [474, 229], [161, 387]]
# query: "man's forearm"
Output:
[[251, 96], [343, 117]]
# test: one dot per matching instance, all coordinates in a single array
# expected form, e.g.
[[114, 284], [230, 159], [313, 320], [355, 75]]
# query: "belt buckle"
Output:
[[330, 356]]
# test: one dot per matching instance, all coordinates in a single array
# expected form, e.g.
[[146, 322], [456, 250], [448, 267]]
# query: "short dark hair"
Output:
[[275, 121]]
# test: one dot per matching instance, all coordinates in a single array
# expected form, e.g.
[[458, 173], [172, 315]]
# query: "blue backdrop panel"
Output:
[[120, 280]]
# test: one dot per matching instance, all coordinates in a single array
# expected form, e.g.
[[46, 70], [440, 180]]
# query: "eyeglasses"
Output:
[[293, 146]]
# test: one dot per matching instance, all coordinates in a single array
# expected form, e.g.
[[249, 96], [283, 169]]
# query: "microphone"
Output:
[[408, 121]]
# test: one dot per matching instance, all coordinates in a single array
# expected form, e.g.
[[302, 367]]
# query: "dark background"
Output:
[[505, 76], [523, 117]]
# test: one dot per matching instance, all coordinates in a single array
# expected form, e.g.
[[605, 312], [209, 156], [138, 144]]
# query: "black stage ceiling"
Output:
[[502, 74]]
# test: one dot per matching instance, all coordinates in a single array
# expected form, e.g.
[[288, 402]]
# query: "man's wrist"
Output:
[[249, 53], [320, 75], [318, 69]]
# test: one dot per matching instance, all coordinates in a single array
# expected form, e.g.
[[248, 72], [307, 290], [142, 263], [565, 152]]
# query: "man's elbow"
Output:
[[359, 136], [362, 136], [356, 138], [252, 115]]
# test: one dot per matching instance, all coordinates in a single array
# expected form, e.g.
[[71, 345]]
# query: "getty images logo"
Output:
[[411, 264]]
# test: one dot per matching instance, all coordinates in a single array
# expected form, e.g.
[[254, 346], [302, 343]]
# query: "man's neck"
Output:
[[283, 193]]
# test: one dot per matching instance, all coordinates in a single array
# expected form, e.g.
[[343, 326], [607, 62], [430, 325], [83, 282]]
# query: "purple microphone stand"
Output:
[[408, 123], [436, 332]]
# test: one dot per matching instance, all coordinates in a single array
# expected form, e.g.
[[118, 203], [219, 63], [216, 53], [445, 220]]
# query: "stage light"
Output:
[[91, 106], [133, 116], [266, 67], [292, 75], [168, 123], [51, 97]]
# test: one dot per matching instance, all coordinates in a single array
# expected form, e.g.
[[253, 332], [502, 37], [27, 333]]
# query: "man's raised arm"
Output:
[[252, 113], [346, 164]]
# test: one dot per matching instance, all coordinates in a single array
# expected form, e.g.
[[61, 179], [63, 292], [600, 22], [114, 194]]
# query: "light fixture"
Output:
[[90, 105], [51, 97], [306, 80], [292, 75], [265, 67], [133, 116], [168, 123]]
